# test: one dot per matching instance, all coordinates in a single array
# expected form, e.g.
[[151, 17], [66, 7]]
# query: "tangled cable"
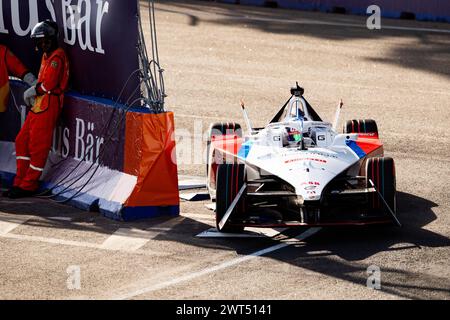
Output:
[[154, 92]]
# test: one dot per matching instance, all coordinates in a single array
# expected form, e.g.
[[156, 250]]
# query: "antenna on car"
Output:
[[246, 118], [297, 90], [337, 115]]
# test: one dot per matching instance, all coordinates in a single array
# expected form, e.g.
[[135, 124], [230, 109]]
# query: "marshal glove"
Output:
[[29, 95], [30, 79]]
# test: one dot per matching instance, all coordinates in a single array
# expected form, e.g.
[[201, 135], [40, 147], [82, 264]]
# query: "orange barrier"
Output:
[[150, 155]]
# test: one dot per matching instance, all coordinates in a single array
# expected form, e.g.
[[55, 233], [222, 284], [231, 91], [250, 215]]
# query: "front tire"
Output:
[[230, 179], [381, 170]]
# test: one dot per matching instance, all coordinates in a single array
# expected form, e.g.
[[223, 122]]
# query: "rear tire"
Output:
[[381, 170], [217, 129], [361, 126], [230, 178]]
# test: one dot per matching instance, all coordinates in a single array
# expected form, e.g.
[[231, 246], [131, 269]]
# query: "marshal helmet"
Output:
[[45, 29], [45, 35]]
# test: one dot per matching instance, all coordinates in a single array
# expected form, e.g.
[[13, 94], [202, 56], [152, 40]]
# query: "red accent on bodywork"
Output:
[[368, 143], [370, 135]]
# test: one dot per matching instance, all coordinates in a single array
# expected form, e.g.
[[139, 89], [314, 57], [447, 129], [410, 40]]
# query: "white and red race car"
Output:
[[299, 171]]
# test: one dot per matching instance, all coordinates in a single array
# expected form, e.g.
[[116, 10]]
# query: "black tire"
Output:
[[361, 126], [217, 129], [230, 178], [381, 170]]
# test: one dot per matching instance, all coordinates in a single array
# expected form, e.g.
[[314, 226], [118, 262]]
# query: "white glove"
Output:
[[29, 95], [30, 79]]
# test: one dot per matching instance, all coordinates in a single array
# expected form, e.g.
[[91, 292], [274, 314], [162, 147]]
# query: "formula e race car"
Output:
[[299, 171]]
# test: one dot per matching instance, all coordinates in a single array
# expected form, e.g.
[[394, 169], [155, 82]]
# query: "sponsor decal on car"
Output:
[[306, 159], [368, 134], [322, 154], [311, 183]]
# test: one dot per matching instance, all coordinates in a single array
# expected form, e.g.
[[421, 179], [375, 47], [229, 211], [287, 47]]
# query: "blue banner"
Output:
[[99, 36]]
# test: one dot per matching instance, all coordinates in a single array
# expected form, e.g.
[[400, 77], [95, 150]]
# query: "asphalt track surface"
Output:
[[214, 55]]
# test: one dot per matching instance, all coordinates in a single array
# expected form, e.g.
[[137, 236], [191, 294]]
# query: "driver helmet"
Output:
[[292, 136]]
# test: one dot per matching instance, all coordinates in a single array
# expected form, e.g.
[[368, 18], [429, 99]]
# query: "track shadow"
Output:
[[45, 213], [349, 243], [358, 243], [427, 51], [343, 252], [398, 281]]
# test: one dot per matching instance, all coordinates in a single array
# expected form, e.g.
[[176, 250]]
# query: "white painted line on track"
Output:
[[9, 222], [267, 232], [124, 239], [191, 182], [195, 117], [188, 185], [213, 233], [50, 240], [248, 233], [60, 218], [224, 265], [195, 196], [198, 216], [79, 244], [190, 177], [130, 239]]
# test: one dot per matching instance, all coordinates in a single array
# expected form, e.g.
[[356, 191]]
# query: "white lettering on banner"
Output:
[[77, 18], [99, 142], [56, 143], [2, 22], [87, 145], [77, 23], [51, 9], [79, 143], [74, 14], [66, 148], [102, 9], [90, 143], [68, 26], [15, 17], [87, 21]]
